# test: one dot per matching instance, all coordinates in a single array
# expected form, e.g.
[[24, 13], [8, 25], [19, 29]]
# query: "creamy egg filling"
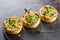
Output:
[[48, 11], [31, 18], [12, 23]]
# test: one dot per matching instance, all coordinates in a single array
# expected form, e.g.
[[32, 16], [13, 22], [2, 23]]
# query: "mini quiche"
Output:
[[48, 13], [30, 19], [13, 25]]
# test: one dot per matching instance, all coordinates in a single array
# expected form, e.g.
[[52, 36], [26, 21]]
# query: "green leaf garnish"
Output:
[[52, 14], [39, 30], [45, 13], [20, 35]]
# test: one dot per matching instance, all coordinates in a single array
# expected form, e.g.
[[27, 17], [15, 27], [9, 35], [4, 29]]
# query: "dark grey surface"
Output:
[[9, 8]]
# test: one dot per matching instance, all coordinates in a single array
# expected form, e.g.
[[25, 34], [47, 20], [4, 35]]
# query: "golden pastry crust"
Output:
[[27, 24], [51, 18], [14, 29]]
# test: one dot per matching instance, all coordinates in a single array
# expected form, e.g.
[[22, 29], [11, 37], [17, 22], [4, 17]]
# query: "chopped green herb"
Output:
[[48, 9], [11, 22], [31, 18], [19, 20], [10, 26], [52, 14], [46, 12], [9, 19]]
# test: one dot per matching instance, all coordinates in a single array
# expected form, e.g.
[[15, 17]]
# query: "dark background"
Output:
[[9, 8]]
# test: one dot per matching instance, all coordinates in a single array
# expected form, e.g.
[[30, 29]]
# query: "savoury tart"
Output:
[[48, 13], [13, 25], [30, 19]]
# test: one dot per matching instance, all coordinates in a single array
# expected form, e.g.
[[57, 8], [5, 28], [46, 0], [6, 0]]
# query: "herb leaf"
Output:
[[20, 35], [39, 30]]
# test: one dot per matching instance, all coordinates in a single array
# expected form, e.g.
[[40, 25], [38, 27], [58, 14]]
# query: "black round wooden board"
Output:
[[31, 34], [11, 37]]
